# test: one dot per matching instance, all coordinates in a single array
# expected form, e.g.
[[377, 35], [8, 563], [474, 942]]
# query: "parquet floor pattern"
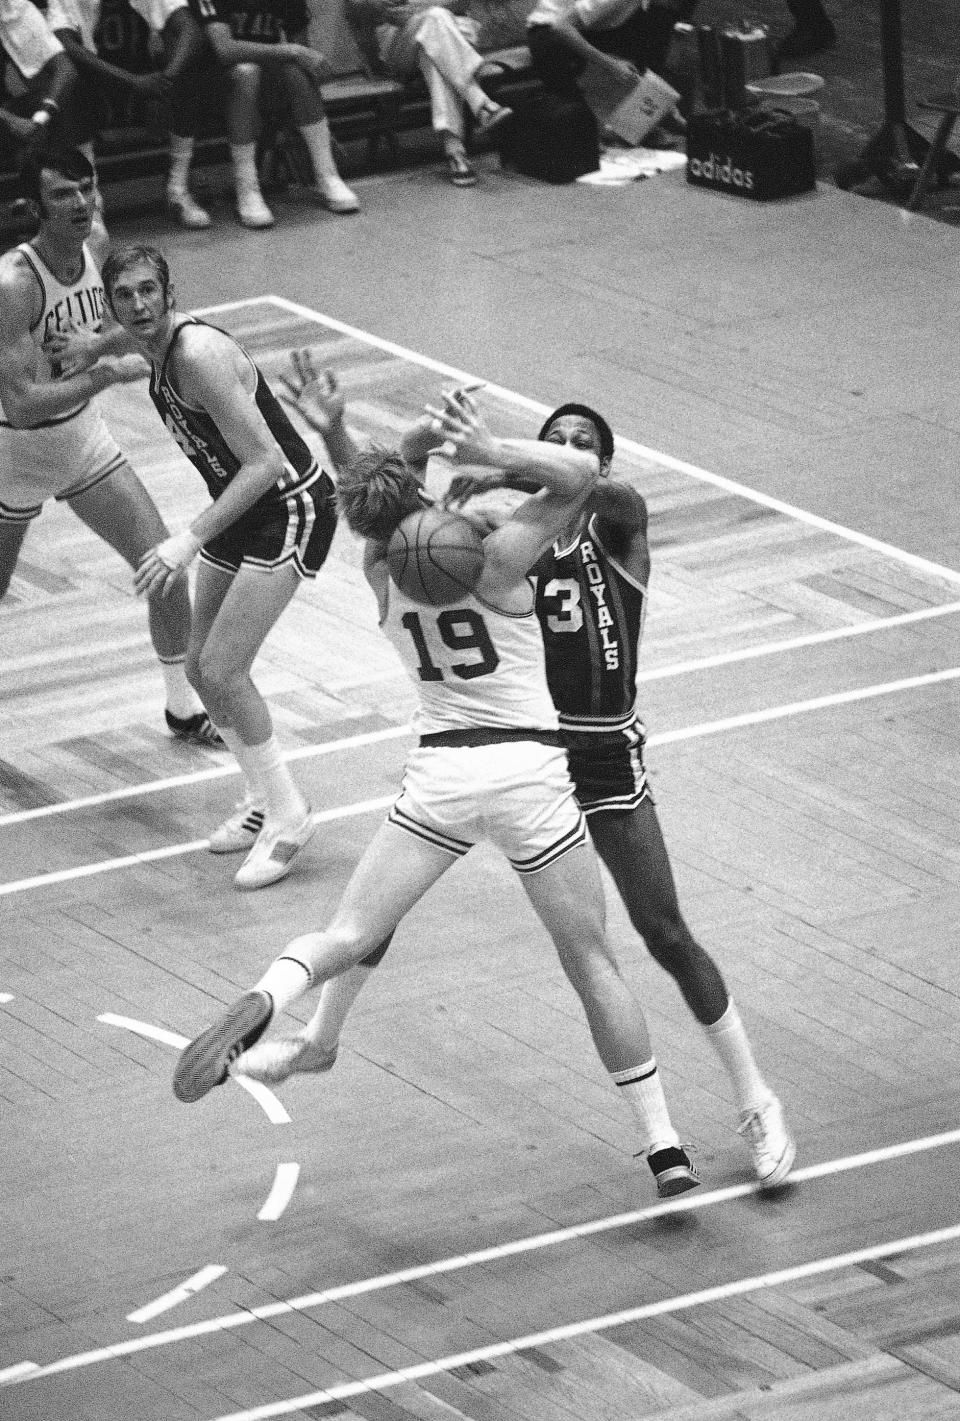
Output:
[[816, 854]]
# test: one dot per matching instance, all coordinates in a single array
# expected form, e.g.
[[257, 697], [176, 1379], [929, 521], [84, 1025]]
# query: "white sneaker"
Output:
[[188, 212], [238, 834], [272, 856], [273, 1062], [336, 196], [252, 210], [771, 1144]]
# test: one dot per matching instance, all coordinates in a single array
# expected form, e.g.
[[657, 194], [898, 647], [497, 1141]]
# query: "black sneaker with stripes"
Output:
[[196, 729]]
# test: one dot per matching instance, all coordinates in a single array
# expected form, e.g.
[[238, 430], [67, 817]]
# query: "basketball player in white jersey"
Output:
[[53, 439], [488, 766]]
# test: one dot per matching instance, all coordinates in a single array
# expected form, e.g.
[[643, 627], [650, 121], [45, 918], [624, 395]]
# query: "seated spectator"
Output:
[[177, 87], [402, 37], [624, 37], [38, 82], [248, 37]]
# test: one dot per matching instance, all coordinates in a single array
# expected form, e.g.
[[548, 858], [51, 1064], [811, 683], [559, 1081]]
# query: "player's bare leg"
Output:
[[632, 847], [121, 512], [396, 870], [11, 541], [234, 612], [568, 898]]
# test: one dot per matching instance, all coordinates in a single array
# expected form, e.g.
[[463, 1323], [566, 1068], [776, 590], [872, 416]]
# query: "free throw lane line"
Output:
[[536, 407], [191, 1285], [369, 806], [689, 1203]]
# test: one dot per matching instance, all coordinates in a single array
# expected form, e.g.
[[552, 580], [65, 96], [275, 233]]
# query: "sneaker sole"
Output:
[[277, 871], [676, 1181], [780, 1176], [205, 1062]]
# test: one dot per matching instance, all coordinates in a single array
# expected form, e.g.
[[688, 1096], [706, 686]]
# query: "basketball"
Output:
[[435, 557]]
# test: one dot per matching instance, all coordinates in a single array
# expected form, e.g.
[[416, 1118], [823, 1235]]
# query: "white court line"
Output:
[[689, 1203], [265, 1098], [186, 1290], [395, 732], [597, 1324], [667, 460], [17, 1372], [280, 1195], [145, 1028], [89, 870], [666, 737], [305, 752], [778, 648]]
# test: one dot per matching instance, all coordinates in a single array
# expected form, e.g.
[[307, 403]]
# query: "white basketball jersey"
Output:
[[472, 665], [81, 303]]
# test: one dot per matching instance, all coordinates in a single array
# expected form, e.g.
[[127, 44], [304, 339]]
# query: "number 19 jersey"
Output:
[[473, 666]]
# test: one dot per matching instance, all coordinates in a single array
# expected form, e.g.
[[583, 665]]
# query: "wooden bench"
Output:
[[361, 107]]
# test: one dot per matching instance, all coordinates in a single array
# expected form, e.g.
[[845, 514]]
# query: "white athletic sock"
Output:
[[317, 138], [181, 153], [244, 159], [337, 996], [271, 784], [182, 699], [729, 1039], [643, 1089], [285, 980]]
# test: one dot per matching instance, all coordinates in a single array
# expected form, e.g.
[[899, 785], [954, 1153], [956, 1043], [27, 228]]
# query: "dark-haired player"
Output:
[[269, 526], [591, 591], [53, 439], [488, 766]]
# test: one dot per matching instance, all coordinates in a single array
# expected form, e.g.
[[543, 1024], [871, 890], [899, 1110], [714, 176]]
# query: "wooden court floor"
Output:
[[451, 1224]]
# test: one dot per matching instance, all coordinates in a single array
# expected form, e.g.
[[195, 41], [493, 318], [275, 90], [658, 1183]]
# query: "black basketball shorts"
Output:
[[295, 531], [607, 768]]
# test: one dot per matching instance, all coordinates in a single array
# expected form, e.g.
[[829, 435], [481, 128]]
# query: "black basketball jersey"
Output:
[[591, 614], [208, 451]]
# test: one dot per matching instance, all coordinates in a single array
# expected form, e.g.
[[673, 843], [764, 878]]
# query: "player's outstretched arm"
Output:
[[322, 403]]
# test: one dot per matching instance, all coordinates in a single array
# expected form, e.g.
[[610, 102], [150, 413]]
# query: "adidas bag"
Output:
[[555, 139], [761, 154]]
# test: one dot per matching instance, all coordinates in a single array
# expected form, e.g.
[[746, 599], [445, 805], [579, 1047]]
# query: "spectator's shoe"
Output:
[[771, 1144], [238, 834], [205, 1062], [188, 212], [460, 172], [672, 1170], [253, 211], [336, 196], [272, 856], [807, 39], [492, 117], [196, 729], [273, 1062]]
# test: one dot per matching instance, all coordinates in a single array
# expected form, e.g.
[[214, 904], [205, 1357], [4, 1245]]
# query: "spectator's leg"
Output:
[[310, 118], [557, 67], [185, 121], [243, 126], [438, 37]]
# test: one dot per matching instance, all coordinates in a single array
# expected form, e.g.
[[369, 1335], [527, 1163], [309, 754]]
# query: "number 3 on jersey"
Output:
[[459, 630], [564, 594]]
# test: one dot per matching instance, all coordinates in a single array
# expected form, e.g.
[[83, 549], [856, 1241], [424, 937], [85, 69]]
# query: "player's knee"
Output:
[[668, 941], [245, 80]]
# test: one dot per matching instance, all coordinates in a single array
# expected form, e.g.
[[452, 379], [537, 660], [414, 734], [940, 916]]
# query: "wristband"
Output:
[[41, 118], [178, 551]]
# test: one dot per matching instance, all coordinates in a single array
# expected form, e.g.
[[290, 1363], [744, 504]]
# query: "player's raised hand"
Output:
[[463, 429], [317, 397]]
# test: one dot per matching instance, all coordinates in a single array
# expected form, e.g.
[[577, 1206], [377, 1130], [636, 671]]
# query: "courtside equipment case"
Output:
[[555, 139], [760, 155]]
